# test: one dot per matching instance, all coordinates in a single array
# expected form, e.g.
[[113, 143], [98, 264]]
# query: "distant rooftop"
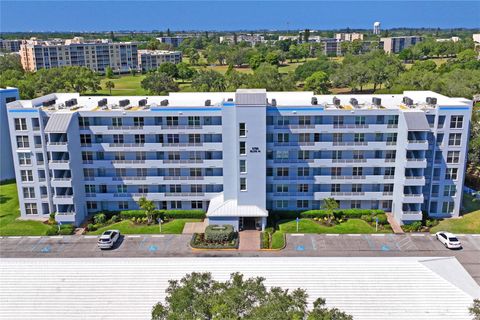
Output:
[[409, 100]]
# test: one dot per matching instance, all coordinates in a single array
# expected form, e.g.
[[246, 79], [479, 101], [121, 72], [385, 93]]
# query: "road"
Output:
[[307, 245]]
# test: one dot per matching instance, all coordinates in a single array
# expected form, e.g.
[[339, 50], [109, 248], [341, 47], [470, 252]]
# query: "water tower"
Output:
[[376, 28]]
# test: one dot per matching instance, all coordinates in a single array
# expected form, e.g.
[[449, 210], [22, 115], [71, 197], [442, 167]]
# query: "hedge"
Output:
[[217, 233], [184, 214], [196, 242], [65, 229], [169, 214], [339, 213]]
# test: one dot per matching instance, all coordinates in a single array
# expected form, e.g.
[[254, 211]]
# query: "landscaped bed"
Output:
[[216, 237], [129, 227], [312, 226]]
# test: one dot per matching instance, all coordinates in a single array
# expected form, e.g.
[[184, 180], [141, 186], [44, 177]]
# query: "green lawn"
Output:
[[9, 212], [278, 240], [128, 227], [125, 85], [311, 226], [469, 222]]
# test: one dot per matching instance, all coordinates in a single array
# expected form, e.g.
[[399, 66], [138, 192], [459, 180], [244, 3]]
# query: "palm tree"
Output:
[[110, 85], [148, 206], [329, 205]]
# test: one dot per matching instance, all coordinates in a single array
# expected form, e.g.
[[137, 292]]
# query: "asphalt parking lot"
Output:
[[305, 245]]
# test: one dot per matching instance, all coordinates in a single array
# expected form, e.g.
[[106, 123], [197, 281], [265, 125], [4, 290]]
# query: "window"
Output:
[[456, 122], [197, 205], [283, 121], [91, 205], [337, 137], [448, 206], [87, 156], [282, 172], [356, 188], [304, 137], [172, 121], [138, 121], [281, 154], [358, 154], [439, 138], [303, 172], [194, 138], [140, 138], [449, 190], [31, 208], [243, 148], [119, 156], [121, 188], [27, 175], [175, 188], [337, 120], [174, 155], [360, 120], [243, 166], [29, 193], [355, 204], [390, 154], [90, 188], [435, 188], [83, 122], [390, 171], [123, 205], [453, 156], [441, 122], [117, 122], [118, 138], [282, 188], [357, 171], [242, 129], [283, 137], [143, 189], [140, 155], [196, 188], [454, 139], [173, 138], [359, 137], [243, 184], [388, 187], [141, 172], [302, 187], [194, 121], [281, 204], [303, 154], [336, 154], [392, 120], [22, 142], [88, 173], [24, 159], [335, 188], [20, 124], [451, 174], [336, 171], [304, 120], [195, 172], [85, 139], [176, 205], [301, 204]]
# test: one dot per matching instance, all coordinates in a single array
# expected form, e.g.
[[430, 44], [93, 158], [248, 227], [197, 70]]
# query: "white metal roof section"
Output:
[[367, 288], [58, 122], [251, 97], [416, 120], [219, 207]]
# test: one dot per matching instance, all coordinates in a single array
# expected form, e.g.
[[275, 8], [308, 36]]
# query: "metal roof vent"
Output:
[[274, 102], [124, 103], [164, 103], [314, 101], [377, 101], [354, 102], [431, 100], [208, 103], [102, 102], [407, 101], [336, 101], [142, 103]]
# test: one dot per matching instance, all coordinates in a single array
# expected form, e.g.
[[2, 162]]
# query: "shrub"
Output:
[[217, 233], [198, 241], [414, 226], [91, 227], [131, 214], [382, 218], [99, 218], [53, 231], [366, 218], [66, 229], [97, 226], [51, 218], [341, 213], [265, 240], [184, 214], [114, 218]]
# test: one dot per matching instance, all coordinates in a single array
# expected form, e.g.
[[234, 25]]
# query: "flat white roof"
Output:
[[219, 207], [127, 288]]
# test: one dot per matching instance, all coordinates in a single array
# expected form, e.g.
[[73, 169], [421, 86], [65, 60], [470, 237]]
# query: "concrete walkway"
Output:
[[249, 240], [394, 224], [194, 227]]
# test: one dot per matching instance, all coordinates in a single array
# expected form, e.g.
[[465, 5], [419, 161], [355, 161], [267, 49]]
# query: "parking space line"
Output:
[[332, 234], [133, 236], [461, 235], [14, 237], [56, 237], [378, 234], [34, 237], [475, 235], [417, 235], [158, 236], [354, 235], [90, 237], [297, 234], [313, 244]]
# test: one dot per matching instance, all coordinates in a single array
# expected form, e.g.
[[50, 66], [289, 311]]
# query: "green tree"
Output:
[[267, 76], [198, 296], [108, 72], [475, 309], [148, 206], [318, 82], [273, 57], [256, 60], [310, 67], [159, 83], [10, 62], [208, 81], [109, 85], [235, 79], [153, 44], [329, 205], [168, 68], [184, 71], [194, 58]]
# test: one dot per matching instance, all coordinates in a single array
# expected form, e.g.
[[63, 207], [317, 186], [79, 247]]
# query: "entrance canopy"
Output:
[[230, 208]]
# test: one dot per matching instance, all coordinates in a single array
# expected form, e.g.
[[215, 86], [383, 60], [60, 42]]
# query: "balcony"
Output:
[[417, 145], [413, 198], [63, 199], [61, 182], [416, 163], [57, 146], [65, 217], [367, 195], [414, 181], [59, 164], [411, 215]]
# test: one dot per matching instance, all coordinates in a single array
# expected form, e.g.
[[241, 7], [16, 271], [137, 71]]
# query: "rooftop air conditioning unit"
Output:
[[124, 103], [377, 101], [407, 101], [164, 103], [102, 102], [314, 101], [48, 103], [274, 102], [70, 102], [354, 102], [142, 103], [431, 100], [336, 101], [208, 103], [230, 99]]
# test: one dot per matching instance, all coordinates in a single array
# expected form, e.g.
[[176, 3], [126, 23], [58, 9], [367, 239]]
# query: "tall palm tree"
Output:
[[110, 85], [329, 205]]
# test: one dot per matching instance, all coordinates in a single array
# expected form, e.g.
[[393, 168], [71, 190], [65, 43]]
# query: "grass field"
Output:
[[125, 85], [9, 212], [128, 227], [469, 222], [311, 226]]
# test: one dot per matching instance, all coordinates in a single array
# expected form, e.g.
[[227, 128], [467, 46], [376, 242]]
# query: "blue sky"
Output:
[[232, 15]]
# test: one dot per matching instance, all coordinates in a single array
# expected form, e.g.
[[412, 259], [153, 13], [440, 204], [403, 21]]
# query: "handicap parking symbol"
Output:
[[152, 248], [385, 248], [45, 249], [300, 248]]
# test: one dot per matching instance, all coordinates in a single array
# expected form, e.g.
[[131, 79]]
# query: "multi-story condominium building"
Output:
[[251, 39], [240, 154], [96, 55], [152, 59], [173, 41], [7, 171], [397, 44], [349, 36], [7, 45]]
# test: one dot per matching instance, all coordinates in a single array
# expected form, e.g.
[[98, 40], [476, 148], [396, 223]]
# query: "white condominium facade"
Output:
[[240, 155], [152, 59]]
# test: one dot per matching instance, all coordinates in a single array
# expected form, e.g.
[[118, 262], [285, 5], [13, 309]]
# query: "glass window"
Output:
[[448, 206], [31, 208], [243, 166], [456, 122], [242, 129], [303, 172], [22, 142], [197, 205], [453, 156], [20, 124], [302, 204], [28, 192], [449, 190], [26, 175], [24, 159], [454, 139], [282, 172], [194, 121], [243, 184], [451, 174], [243, 148]]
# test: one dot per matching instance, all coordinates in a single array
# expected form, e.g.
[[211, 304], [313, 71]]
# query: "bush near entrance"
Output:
[[216, 233]]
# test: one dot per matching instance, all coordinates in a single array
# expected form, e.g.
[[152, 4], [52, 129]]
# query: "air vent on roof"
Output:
[[407, 101], [431, 100], [102, 102], [230, 99], [274, 102], [377, 101], [164, 102], [70, 102], [48, 103], [208, 103], [354, 102], [336, 101], [124, 102], [142, 103], [314, 101]]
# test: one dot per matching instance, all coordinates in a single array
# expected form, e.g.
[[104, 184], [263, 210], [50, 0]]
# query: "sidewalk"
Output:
[[394, 224], [249, 240]]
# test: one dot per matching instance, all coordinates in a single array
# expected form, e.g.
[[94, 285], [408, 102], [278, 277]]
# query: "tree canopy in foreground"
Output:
[[198, 296]]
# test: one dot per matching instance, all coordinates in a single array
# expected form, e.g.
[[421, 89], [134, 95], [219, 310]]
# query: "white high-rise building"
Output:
[[376, 28]]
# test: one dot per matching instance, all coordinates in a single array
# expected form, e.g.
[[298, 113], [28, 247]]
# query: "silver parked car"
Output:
[[108, 239]]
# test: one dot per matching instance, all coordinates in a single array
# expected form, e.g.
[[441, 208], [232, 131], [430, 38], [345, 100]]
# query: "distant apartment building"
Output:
[[96, 55], [292, 38], [7, 170], [476, 37], [397, 44], [349, 36], [240, 155], [7, 45], [251, 39], [152, 59], [173, 41], [453, 39]]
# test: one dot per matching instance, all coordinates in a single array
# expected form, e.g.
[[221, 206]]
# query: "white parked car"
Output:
[[449, 240], [108, 239]]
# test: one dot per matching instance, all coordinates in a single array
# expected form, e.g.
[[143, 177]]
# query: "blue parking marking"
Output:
[[300, 248], [385, 248], [370, 242], [152, 248], [46, 249]]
